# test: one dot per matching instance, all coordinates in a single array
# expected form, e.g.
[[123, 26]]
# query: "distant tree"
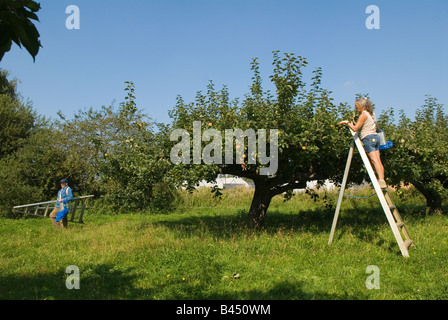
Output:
[[31, 174], [7, 86], [16, 26], [17, 119], [115, 152], [420, 153], [30, 165], [135, 166]]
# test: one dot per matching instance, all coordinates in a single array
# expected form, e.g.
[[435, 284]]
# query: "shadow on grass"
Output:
[[283, 290], [107, 282], [96, 282], [315, 221], [362, 222]]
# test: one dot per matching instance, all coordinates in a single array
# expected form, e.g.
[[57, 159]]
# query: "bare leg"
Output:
[[376, 161]]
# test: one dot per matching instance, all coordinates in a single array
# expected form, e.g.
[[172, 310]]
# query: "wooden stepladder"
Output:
[[396, 223]]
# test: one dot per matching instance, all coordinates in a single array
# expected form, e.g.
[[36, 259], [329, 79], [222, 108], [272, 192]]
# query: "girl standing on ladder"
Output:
[[368, 135]]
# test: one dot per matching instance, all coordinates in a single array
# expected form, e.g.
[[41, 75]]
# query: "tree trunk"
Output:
[[433, 199], [433, 205], [260, 204]]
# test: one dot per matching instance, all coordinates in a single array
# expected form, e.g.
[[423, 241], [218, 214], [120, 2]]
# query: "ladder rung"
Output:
[[408, 243], [392, 207], [400, 224]]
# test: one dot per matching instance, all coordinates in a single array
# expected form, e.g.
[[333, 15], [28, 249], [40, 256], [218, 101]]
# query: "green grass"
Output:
[[190, 253]]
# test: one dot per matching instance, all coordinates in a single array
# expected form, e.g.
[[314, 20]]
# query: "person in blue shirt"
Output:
[[65, 195]]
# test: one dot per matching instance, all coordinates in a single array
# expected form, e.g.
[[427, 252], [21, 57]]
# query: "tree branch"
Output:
[[288, 186]]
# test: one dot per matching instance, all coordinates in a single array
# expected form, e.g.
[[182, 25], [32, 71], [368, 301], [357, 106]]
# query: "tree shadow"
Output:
[[363, 222], [314, 220], [365, 225], [282, 290], [97, 282], [109, 282]]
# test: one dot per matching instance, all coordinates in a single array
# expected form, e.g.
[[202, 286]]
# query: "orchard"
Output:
[[124, 156]]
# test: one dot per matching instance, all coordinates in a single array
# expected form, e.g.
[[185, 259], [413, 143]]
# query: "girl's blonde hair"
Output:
[[366, 104]]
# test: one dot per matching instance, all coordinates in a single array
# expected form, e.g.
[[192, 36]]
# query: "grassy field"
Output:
[[194, 252]]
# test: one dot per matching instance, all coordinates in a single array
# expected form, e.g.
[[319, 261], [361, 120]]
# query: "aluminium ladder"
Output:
[[37, 208], [392, 214]]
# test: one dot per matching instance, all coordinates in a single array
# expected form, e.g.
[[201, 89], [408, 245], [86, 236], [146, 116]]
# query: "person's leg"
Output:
[[376, 161], [65, 222], [53, 215]]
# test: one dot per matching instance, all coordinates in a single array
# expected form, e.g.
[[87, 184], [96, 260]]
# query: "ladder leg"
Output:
[[46, 210], [341, 191], [74, 210], [82, 211]]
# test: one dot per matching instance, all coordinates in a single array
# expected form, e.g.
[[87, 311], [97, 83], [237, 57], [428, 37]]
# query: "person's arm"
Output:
[[68, 195], [356, 127]]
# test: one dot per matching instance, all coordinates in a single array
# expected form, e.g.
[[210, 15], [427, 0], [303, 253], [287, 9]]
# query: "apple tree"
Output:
[[115, 152], [309, 144], [420, 153]]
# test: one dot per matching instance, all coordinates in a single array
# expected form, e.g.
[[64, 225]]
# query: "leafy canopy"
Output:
[[16, 26]]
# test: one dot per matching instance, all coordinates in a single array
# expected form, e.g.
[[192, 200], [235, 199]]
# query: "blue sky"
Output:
[[173, 47]]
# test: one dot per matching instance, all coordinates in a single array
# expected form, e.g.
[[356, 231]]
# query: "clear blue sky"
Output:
[[173, 47]]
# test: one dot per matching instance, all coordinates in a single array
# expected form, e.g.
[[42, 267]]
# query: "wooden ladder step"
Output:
[[400, 224], [408, 243]]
